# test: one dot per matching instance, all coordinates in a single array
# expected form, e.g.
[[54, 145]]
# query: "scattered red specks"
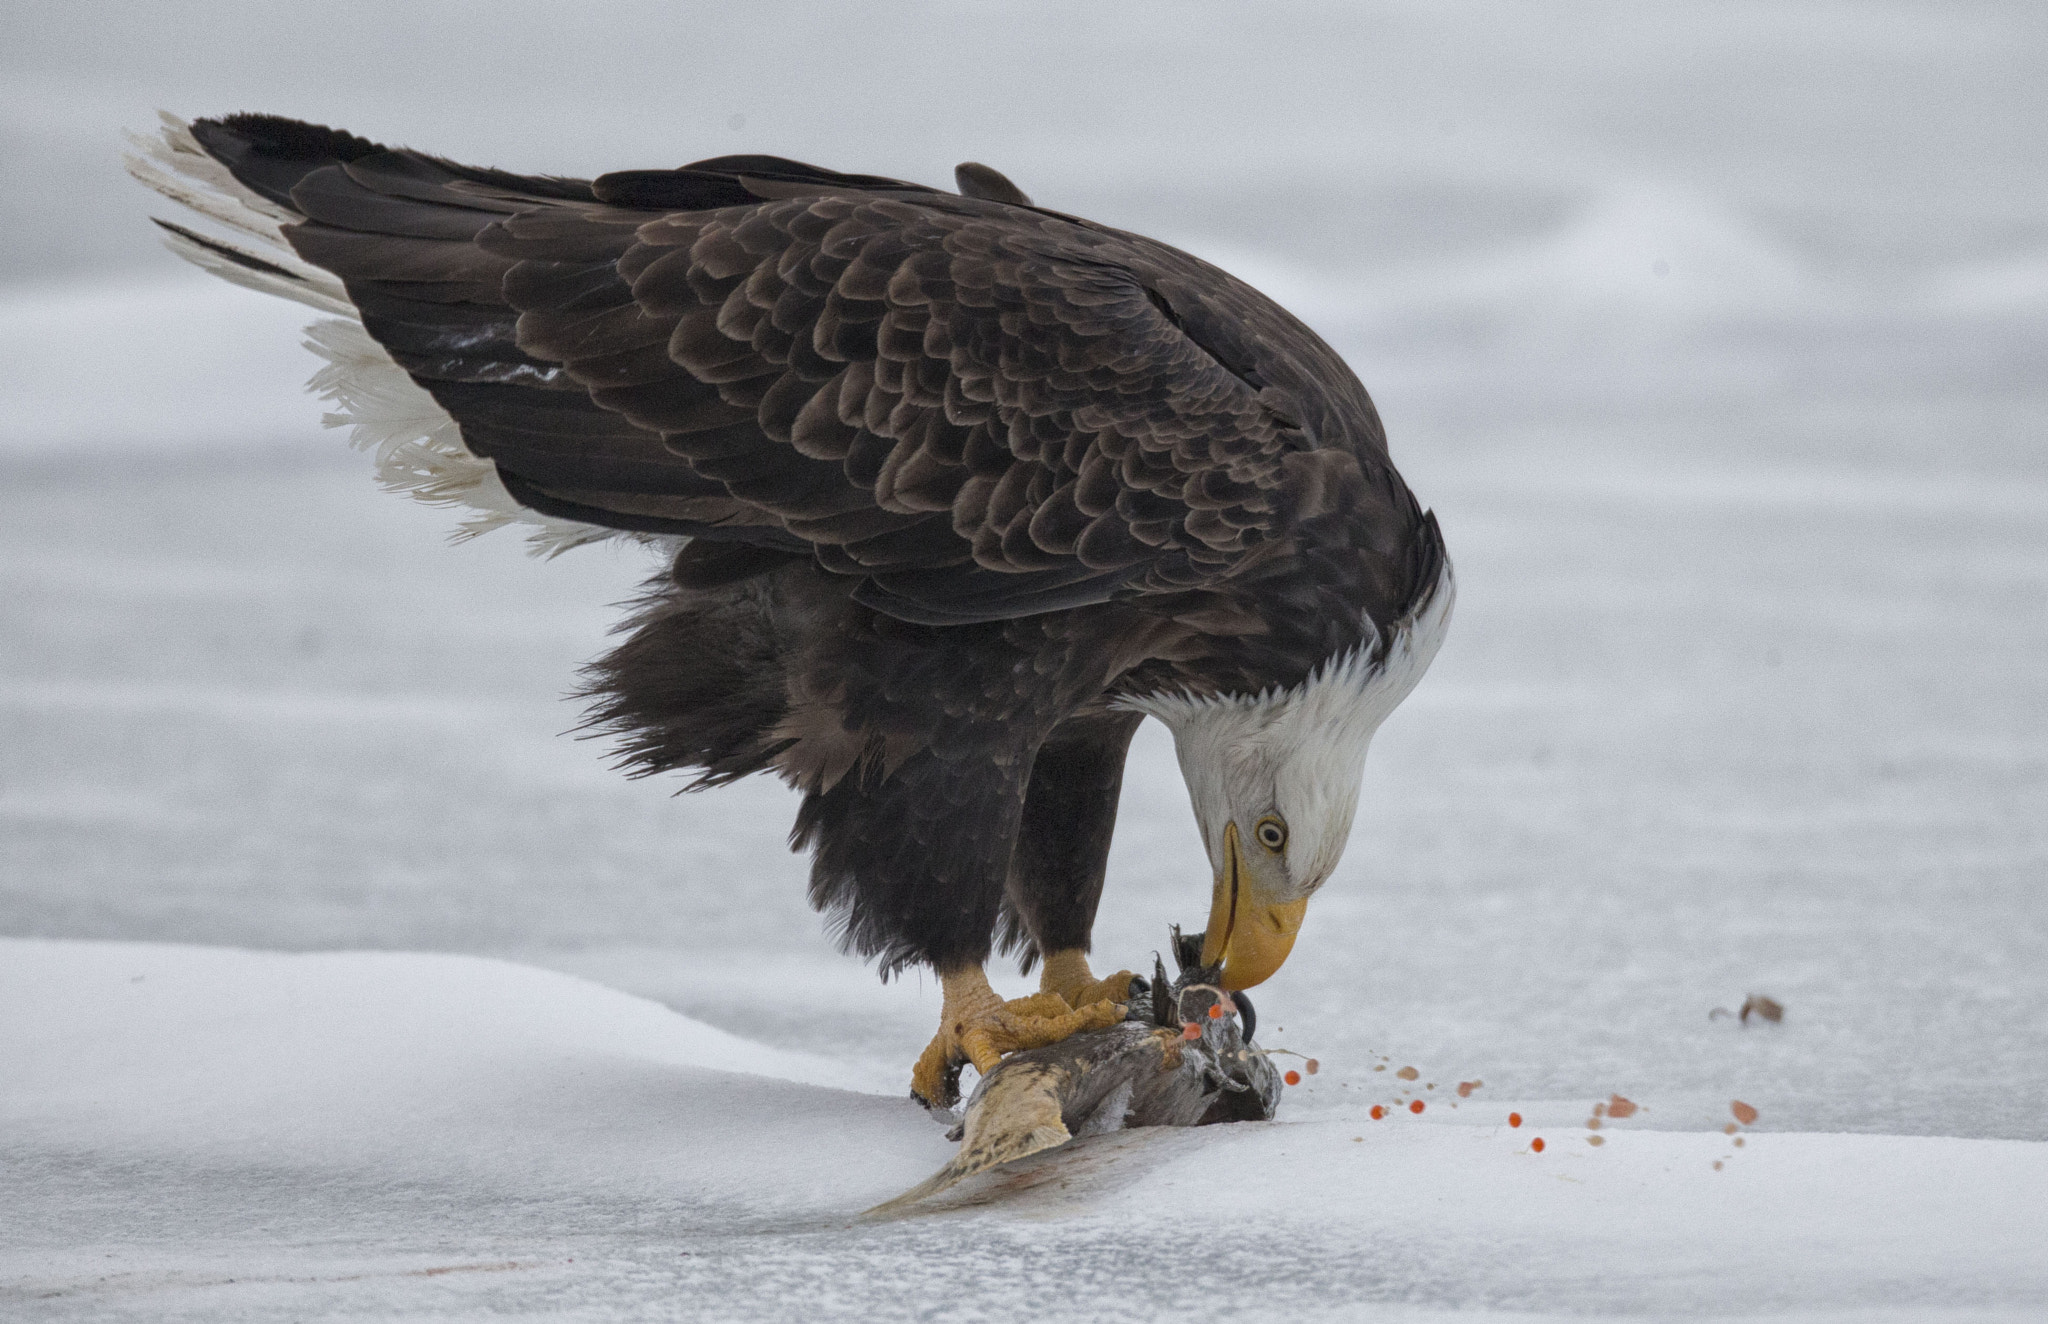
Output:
[[1514, 1119], [1408, 1073], [1465, 1087], [1292, 1078], [1378, 1112], [1593, 1122], [1311, 1066], [1620, 1107], [1537, 1144], [1415, 1107], [1596, 1140], [1216, 1011], [1743, 1112], [1728, 1130], [1190, 1030]]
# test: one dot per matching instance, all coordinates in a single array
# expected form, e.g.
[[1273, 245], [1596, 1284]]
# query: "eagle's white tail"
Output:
[[417, 445]]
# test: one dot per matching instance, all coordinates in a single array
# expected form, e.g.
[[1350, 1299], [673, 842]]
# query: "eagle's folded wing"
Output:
[[982, 410]]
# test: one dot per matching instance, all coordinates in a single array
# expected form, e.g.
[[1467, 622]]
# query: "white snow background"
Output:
[[1717, 336]]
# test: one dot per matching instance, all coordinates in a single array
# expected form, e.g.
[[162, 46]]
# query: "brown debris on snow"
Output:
[[1757, 1005]]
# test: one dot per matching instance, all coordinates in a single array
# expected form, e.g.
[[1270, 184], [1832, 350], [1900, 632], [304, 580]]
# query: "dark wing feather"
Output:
[[981, 409], [984, 411]]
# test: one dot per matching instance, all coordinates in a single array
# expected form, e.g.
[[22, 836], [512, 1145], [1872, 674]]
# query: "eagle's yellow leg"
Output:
[[977, 1026], [1067, 974]]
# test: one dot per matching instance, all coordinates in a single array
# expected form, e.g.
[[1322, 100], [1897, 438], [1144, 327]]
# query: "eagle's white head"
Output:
[[1275, 777]]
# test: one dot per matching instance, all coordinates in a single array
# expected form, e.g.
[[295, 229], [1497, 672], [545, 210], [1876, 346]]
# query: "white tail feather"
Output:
[[283, 284], [175, 157], [417, 445]]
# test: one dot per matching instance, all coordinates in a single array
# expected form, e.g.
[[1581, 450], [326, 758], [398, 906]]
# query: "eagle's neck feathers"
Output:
[[1301, 748]]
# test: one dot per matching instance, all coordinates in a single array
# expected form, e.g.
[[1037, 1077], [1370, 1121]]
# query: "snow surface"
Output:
[[195, 1133], [1714, 337]]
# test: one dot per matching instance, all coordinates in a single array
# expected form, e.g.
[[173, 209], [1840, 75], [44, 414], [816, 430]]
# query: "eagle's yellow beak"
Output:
[[1249, 931]]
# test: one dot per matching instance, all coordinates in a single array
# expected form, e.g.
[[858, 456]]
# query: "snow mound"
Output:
[[414, 1064], [219, 1134]]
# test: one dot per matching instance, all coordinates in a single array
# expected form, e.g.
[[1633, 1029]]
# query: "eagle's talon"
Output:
[[978, 1026], [1067, 974]]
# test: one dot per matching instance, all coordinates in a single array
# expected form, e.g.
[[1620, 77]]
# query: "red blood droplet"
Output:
[[1537, 1144], [1190, 1030], [1311, 1066], [1415, 1107], [1743, 1112], [1378, 1112], [1620, 1107], [1216, 1011], [1514, 1119], [1292, 1078]]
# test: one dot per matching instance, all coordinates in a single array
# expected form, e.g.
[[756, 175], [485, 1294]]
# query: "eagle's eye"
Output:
[[1272, 834]]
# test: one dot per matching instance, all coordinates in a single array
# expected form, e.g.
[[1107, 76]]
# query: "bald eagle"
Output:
[[954, 490]]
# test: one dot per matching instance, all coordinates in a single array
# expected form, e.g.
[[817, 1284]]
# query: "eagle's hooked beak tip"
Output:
[[1250, 934]]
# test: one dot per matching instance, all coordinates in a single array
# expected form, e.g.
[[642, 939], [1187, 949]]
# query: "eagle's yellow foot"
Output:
[[977, 1026], [1067, 974]]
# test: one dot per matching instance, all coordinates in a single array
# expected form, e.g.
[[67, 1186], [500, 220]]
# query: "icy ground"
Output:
[[202, 1133], [1716, 343]]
